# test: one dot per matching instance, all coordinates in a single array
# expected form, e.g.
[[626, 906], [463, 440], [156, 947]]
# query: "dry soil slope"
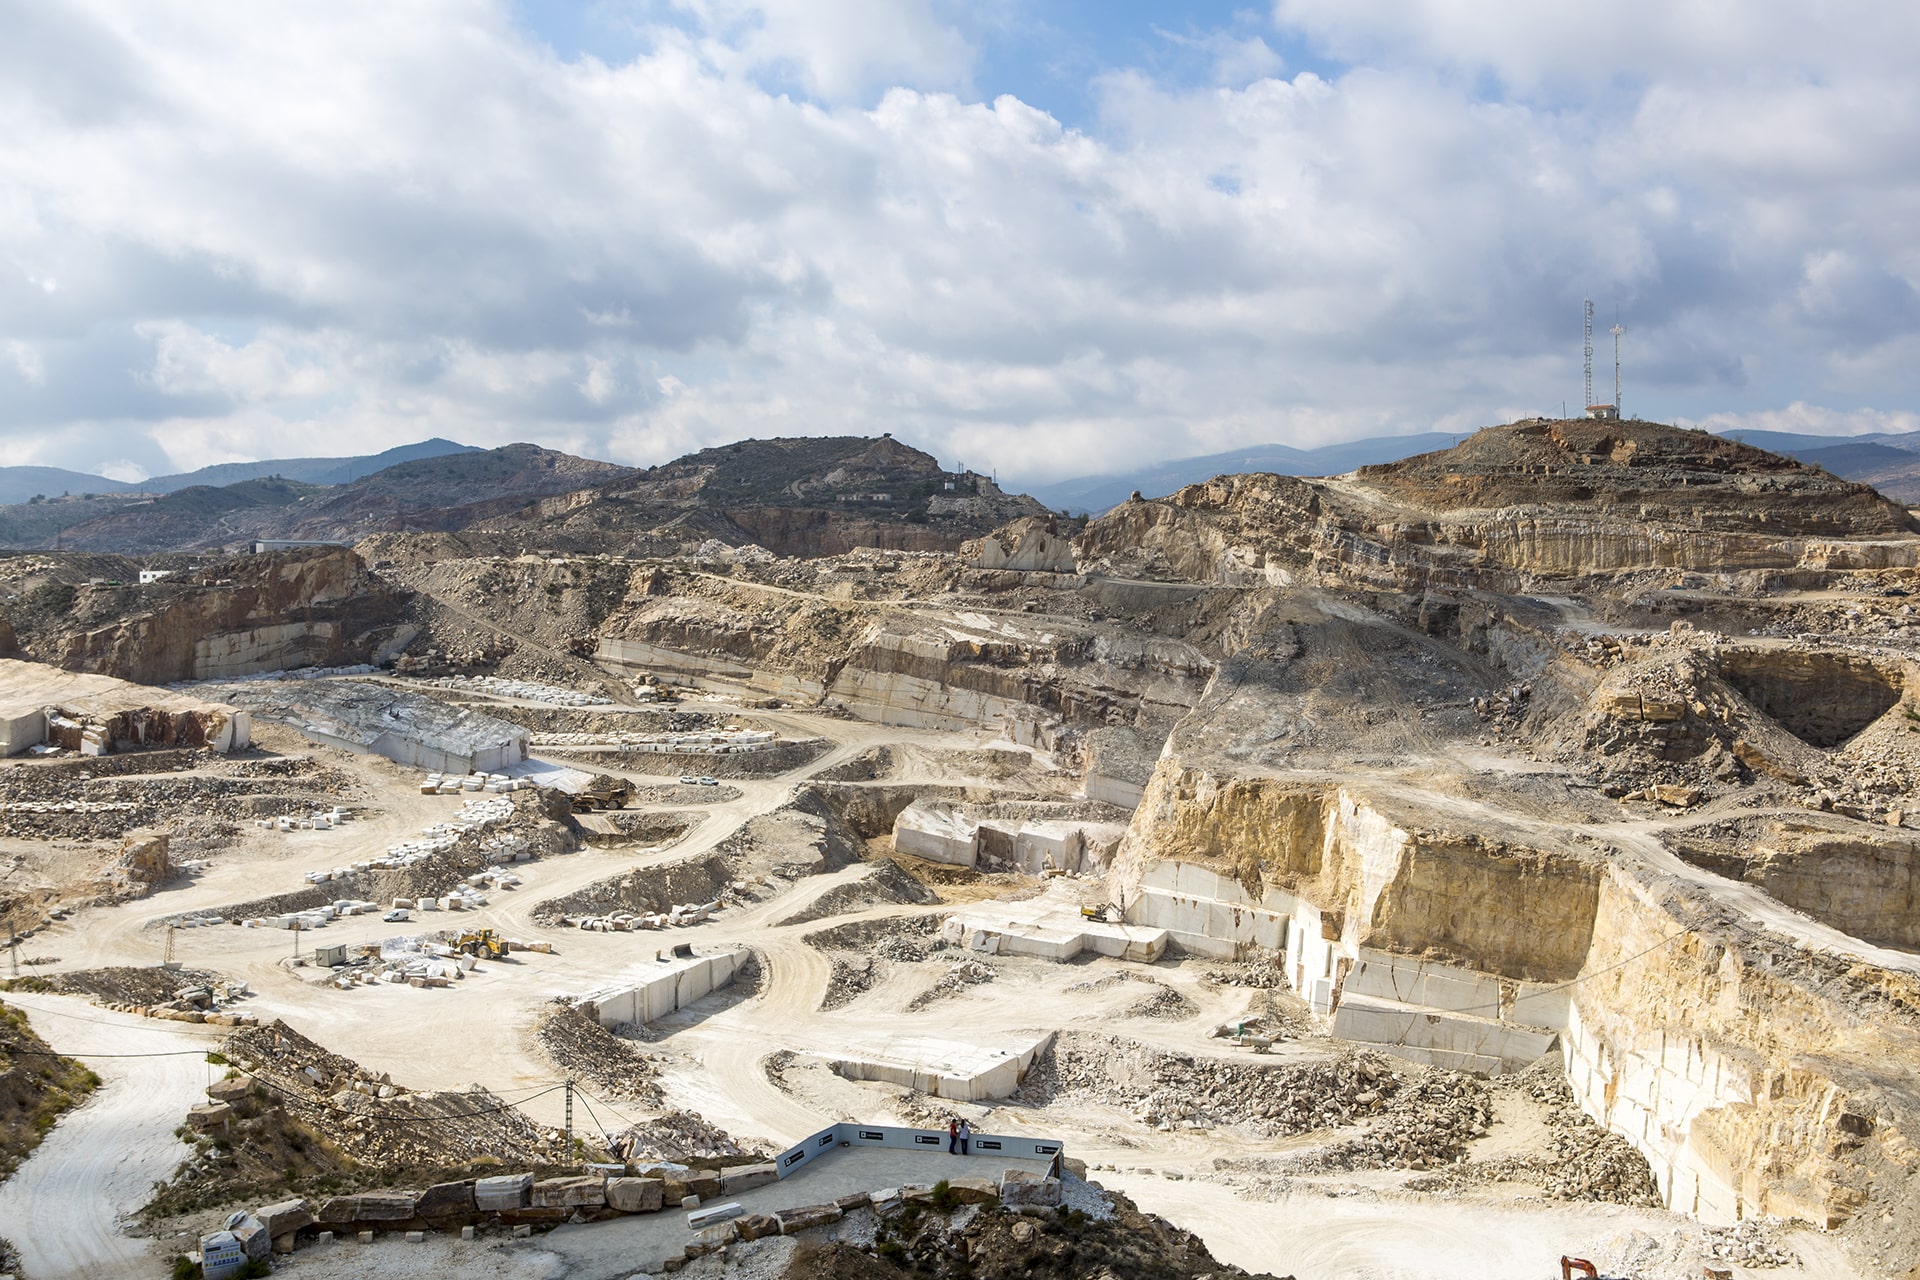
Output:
[[35, 1087]]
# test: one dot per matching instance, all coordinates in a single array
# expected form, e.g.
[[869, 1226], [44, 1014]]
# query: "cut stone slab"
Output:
[[973, 1190], [445, 1200], [809, 1215], [370, 1206], [746, 1177], [636, 1195], [285, 1217], [571, 1193], [508, 1191], [231, 1092]]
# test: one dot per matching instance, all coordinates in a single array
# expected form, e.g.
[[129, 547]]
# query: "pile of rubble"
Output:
[[1164, 1004], [919, 933], [906, 950], [1591, 1163], [291, 1106], [1427, 1122], [674, 917], [729, 741], [687, 1138], [850, 978], [96, 804], [610, 1063], [525, 690], [1750, 1244], [955, 980], [1169, 1091], [1262, 970]]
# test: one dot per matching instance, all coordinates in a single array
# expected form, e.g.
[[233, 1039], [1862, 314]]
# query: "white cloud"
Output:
[[837, 50], [370, 223]]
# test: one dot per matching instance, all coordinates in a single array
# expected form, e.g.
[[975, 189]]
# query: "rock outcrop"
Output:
[[319, 607], [1515, 504]]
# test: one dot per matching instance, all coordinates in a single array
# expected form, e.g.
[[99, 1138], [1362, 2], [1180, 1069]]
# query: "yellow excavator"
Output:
[[482, 943]]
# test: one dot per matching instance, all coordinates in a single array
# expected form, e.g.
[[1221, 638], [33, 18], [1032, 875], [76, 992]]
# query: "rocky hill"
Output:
[[1533, 499], [447, 491], [804, 497], [811, 496]]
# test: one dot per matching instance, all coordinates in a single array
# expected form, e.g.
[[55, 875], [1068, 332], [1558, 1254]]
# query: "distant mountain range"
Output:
[[22, 484], [1094, 494], [1887, 460], [799, 495]]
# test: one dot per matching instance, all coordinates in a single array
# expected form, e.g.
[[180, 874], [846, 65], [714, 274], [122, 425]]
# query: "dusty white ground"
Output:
[[65, 1207], [479, 1029]]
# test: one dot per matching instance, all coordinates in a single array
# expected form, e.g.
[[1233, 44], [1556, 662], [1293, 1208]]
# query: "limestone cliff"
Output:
[[319, 607]]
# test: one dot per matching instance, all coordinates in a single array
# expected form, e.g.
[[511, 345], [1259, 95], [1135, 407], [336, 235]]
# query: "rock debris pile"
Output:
[[851, 978], [957, 979], [1750, 1244], [1422, 1116], [610, 1063]]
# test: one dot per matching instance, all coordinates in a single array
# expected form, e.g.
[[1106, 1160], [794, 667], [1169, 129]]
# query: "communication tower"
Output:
[[1616, 331], [1589, 353]]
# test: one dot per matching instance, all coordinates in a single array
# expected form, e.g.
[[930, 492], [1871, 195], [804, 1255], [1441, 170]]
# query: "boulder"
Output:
[[253, 1237], [746, 1177], [756, 1225], [542, 1217], [636, 1195], [569, 1193], [446, 1203], [858, 1200], [1021, 1189], [232, 1092], [286, 1217], [209, 1115], [810, 1215], [973, 1190], [507, 1191]]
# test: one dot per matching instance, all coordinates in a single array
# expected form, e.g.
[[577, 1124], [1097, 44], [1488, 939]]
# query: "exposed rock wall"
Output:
[[263, 613], [1380, 882], [1737, 1065]]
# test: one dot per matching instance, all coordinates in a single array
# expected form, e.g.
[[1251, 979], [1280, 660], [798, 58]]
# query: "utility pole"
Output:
[[13, 949], [296, 940], [168, 959], [567, 1150]]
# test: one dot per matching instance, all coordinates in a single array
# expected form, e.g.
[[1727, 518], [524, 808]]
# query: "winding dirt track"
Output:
[[64, 1208]]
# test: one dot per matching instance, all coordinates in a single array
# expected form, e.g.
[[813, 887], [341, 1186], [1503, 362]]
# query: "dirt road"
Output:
[[64, 1208]]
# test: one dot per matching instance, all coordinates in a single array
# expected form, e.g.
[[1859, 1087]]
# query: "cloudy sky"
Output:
[[1052, 237]]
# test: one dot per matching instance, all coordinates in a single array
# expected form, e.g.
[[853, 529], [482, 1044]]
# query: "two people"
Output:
[[959, 1134]]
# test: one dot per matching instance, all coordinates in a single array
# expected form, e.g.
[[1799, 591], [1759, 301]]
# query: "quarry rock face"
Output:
[[258, 613]]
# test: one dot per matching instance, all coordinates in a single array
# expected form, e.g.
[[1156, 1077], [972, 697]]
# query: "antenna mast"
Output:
[[1616, 331], [1589, 354]]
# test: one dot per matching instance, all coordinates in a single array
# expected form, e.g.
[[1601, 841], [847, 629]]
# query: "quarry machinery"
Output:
[[604, 792], [482, 943]]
